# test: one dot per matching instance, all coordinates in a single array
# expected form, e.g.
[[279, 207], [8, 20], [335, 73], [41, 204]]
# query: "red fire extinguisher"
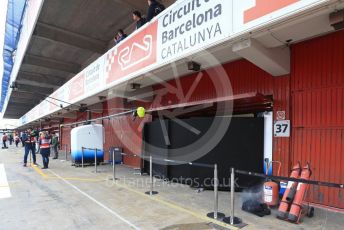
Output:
[[289, 193], [296, 207], [271, 188]]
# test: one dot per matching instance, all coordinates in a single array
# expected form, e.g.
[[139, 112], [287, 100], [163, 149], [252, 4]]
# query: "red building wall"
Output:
[[123, 132], [317, 86]]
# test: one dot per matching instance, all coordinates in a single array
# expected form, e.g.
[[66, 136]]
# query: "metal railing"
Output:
[[65, 150], [232, 220], [95, 157], [215, 214]]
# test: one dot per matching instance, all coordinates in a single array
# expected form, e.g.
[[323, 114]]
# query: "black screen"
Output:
[[241, 147]]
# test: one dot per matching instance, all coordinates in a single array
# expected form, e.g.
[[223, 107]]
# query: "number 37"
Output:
[[281, 128]]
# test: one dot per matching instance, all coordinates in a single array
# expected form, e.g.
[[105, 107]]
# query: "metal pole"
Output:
[[232, 220], [216, 184], [151, 192], [232, 195], [66, 151], [216, 214], [30, 157], [82, 157], [113, 165], [151, 174], [95, 160]]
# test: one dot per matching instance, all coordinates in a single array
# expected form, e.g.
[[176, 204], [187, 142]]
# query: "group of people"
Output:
[[10, 138], [33, 140], [154, 8], [43, 141]]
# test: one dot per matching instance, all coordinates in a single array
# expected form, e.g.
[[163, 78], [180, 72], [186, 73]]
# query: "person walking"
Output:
[[44, 143], [4, 141], [11, 138], [55, 144], [16, 139], [23, 138], [30, 143]]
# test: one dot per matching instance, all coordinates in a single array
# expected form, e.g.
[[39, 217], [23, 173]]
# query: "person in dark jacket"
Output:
[[30, 146], [55, 144], [137, 17], [120, 36], [154, 9], [23, 138], [11, 138]]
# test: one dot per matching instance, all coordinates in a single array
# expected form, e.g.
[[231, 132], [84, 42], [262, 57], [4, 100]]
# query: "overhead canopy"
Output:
[[68, 36], [15, 12]]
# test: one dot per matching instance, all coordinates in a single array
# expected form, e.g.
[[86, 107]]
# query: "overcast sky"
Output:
[[4, 123]]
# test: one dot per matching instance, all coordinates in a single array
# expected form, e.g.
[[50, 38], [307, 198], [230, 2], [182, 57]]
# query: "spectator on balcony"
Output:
[[140, 21], [154, 9], [120, 36]]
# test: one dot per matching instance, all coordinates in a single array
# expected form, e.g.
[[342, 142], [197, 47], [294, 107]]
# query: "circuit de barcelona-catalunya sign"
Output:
[[185, 28], [191, 25]]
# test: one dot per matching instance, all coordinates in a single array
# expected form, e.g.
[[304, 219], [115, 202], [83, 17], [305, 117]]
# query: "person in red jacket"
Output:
[[44, 143], [4, 140]]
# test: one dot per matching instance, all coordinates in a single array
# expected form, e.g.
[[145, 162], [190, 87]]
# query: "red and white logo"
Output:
[[132, 54]]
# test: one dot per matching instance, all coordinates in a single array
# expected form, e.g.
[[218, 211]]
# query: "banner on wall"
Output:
[[192, 25], [77, 87], [250, 14], [94, 76], [132, 54]]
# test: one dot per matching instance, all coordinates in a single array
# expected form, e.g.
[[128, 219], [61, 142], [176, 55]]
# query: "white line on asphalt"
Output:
[[5, 191], [95, 201]]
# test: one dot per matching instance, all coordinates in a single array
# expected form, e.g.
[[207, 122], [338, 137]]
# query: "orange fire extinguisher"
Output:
[[270, 188], [296, 207], [289, 193]]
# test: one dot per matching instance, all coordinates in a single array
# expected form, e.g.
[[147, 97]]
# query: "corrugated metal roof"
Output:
[[15, 12]]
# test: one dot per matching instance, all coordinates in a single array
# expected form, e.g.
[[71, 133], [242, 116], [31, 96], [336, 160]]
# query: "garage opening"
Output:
[[242, 145]]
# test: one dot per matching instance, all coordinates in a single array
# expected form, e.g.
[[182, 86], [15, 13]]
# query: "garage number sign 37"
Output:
[[282, 128]]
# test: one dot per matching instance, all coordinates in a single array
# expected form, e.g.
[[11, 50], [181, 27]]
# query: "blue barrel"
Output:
[[89, 156]]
